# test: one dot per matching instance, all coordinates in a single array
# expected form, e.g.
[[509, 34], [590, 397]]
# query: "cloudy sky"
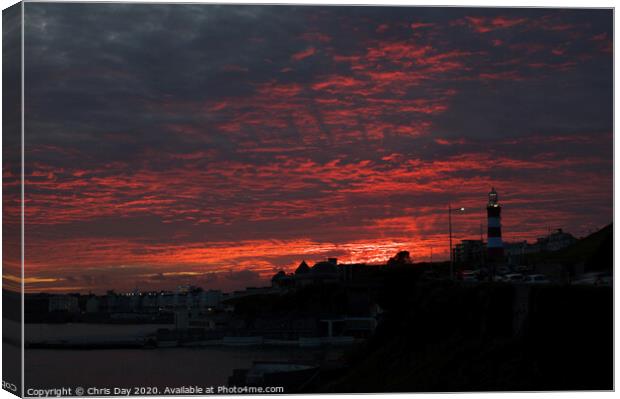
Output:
[[215, 145]]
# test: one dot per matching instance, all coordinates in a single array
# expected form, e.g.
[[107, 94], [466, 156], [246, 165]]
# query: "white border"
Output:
[[23, 197], [454, 3]]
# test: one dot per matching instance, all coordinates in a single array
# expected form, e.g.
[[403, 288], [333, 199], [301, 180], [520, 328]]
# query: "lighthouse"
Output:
[[495, 246]]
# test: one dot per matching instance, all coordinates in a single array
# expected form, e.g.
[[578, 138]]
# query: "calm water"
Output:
[[139, 367], [43, 332]]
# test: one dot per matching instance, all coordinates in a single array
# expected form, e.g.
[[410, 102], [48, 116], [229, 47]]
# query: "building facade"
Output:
[[470, 252]]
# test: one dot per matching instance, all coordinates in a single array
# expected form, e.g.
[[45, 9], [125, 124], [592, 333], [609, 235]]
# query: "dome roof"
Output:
[[302, 268]]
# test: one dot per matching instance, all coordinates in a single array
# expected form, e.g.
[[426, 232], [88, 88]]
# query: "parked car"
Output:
[[536, 279], [503, 270], [523, 269], [513, 278], [595, 278], [430, 275], [470, 275]]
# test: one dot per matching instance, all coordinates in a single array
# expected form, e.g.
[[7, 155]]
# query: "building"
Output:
[[181, 319], [471, 252], [516, 251], [302, 275], [92, 304], [495, 246], [209, 299], [326, 271], [63, 303], [282, 281], [303, 268], [555, 241], [323, 272]]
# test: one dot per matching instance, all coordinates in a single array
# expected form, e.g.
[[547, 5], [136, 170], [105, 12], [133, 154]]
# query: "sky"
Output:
[[215, 145]]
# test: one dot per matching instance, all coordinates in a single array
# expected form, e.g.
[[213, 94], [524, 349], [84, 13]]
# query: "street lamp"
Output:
[[450, 210]]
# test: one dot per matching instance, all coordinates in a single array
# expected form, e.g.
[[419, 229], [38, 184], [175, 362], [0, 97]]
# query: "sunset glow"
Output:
[[227, 150]]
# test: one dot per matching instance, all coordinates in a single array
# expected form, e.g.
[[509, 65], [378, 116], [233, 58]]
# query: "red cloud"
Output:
[[310, 51], [419, 25], [442, 141], [316, 37], [505, 75], [382, 28], [484, 25], [118, 191]]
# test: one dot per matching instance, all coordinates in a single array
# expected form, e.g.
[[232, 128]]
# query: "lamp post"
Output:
[[450, 210]]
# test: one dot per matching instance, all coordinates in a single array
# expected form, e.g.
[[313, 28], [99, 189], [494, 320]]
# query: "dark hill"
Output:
[[595, 251]]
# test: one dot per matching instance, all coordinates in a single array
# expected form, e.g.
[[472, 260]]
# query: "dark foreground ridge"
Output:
[[442, 337], [445, 336]]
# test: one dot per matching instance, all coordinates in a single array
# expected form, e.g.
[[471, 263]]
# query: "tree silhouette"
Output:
[[400, 259]]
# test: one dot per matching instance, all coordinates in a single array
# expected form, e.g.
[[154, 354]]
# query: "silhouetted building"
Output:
[[322, 272], [209, 299], [470, 252], [63, 303], [516, 251], [302, 274], [555, 241], [92, 304], [303, 268], [282, 280], [325, 272]]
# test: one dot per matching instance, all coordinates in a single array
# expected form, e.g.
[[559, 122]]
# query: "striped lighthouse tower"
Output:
[[495, 246]]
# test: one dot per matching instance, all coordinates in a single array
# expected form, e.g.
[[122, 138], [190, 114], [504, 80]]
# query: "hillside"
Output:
[[444, 337], [595, 250]]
